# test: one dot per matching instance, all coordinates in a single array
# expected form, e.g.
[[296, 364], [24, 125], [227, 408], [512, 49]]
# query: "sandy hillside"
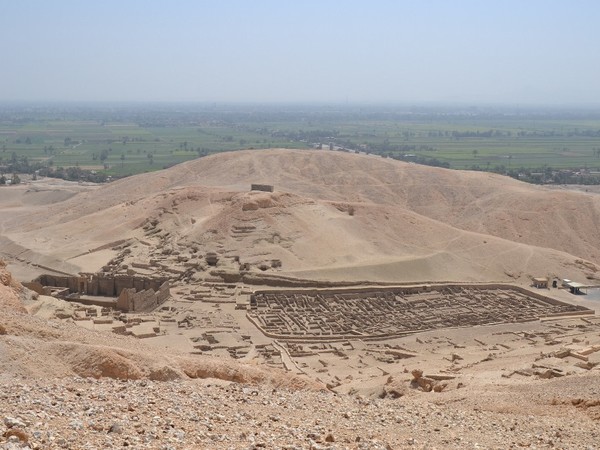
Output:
[[332, 216]]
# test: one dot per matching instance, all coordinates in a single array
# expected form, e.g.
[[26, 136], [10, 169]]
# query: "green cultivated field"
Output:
[[124, 140]]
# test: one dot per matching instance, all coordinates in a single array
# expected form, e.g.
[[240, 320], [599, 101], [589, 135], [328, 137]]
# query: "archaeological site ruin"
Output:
[[125, 293], [383, 313]]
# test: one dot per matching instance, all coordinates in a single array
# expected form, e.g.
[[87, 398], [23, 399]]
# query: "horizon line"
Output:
[[338, 103]]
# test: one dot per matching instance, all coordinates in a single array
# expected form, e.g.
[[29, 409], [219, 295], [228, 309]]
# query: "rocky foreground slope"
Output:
[[66, 387], [97, 414]]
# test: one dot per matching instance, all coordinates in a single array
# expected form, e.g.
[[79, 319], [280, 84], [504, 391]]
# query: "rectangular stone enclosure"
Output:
[[262, 187], [380, 313]]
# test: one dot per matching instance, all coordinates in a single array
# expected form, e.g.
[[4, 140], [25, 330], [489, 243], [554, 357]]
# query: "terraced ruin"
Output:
[[384, 313]]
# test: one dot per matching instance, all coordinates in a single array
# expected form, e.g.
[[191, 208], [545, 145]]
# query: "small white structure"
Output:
[[575, 287]]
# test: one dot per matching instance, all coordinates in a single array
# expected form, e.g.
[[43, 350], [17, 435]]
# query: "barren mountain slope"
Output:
[[474, 201], [336, 215]]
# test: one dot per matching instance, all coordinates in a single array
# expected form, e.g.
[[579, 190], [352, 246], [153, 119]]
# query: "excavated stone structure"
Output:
[[131, 300], [382, 313], [135, 293]]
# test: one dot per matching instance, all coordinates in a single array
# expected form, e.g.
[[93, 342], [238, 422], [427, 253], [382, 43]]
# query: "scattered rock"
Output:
[[426, 384], [562, 353], [417, 373], [116, 428], [13, 422], [439, 387]]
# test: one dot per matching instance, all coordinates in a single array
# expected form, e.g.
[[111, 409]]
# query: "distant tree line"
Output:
[[479, 134], [14, 179], [403, 152], [386, 146], [73, 174], [544, 175], [22, 165], [419, 159]]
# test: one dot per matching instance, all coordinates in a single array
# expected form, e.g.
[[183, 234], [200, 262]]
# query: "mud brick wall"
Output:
[[123, 282], [59, 281], [106, 286], [261, 187], [140, 284], [144, 300], [92, 286], [101, 284], [35, 286], [131, 300], [125, 300], [154, 283], [164, 292]]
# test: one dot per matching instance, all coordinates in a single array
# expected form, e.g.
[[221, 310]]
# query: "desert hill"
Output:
[[333, 215]]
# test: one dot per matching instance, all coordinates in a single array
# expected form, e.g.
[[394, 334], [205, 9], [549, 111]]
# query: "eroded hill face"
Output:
[[333, 215]]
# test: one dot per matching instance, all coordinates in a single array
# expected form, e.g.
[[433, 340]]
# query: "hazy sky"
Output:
[[480, 51]]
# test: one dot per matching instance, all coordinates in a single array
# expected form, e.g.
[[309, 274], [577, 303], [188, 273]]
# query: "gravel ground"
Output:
[[85, 413]]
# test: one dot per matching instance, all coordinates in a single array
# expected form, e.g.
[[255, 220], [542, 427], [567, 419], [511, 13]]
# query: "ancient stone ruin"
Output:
[[131, 300], [134, 293], [381, 313], [262, 187]]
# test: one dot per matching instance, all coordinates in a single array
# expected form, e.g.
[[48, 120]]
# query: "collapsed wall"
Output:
[[131, 300]]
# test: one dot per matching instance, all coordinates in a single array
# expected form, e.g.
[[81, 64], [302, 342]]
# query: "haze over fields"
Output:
[[515, 52]]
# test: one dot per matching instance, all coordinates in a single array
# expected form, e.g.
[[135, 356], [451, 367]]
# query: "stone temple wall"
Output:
[[146, 300], [135, 293], [100, 284]]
